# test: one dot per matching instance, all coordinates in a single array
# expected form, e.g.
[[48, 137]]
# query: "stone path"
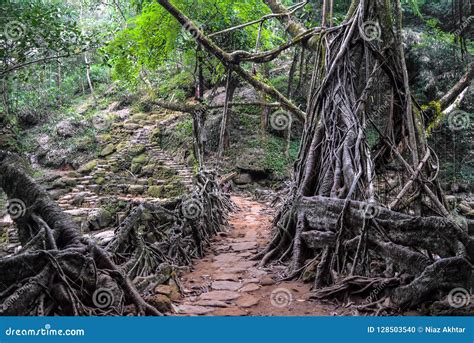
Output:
[[226, 282]]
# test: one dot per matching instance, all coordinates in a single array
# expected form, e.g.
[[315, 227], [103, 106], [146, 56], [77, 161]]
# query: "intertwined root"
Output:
[[320, 222], [59, 272]]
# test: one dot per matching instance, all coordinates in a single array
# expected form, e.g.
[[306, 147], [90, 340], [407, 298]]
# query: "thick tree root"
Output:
[[59, 272]]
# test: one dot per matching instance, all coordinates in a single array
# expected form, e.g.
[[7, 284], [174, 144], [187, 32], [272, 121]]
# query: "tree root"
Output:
[[59, 272]]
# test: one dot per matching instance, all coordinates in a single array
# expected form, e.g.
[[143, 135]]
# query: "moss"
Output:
[[100, 180], [88, 167], [105, 138], [108, 150], [137, 149], [121, 146], [139, 117], [155, 191], [164, 173], [435, 108], [141, 159]]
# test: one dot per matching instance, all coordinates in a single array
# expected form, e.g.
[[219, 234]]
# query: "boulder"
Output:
[[55, 158], [108, 150], [99, 219], [65, 129]]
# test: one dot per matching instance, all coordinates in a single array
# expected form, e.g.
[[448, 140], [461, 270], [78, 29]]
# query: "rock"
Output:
[[108, 150], [136, 189], [211, 303], [243, 179], [225, 277], [55, 194], [226, 285], [247, 301], [155, 191], [163, 289], [159, 301], [250, 287], [66, 129], [192, 310], [267, 281], [136, 149], [219, 295], [105, 237], [55, 158], [244, 246], [99, 219], [88, 167]]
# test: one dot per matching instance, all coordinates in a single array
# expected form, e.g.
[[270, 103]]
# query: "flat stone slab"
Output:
[[247, 301], [211, 303], [219, 295], [226, 285], [226, 258], [225, 277], [250, 287], [192, 309], [244, 246]]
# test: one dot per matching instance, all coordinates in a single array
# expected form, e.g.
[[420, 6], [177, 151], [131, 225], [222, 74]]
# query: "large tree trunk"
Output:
[[336, 165]]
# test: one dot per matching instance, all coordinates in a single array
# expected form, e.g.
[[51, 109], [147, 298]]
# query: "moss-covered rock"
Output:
[[155, 191], [136, 118], [136, 189], [108, 150], [137, 149], [88, 167], [105, 138], [100, 180], [164, 173]]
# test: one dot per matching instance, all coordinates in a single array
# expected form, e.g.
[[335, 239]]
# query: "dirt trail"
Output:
[[227, 283]]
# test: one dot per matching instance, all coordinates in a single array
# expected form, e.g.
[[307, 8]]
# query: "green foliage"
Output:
[[274, 153], [154, 40], [184, 129]]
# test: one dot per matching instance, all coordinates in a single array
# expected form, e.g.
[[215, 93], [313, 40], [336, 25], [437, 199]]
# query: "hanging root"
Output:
[[334, 208], [59, 272]]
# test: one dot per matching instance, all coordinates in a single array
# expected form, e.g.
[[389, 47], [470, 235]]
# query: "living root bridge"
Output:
[[60, 272], [372, 235]]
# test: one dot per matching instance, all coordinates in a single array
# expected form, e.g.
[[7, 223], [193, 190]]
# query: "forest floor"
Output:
[[227, 282]]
